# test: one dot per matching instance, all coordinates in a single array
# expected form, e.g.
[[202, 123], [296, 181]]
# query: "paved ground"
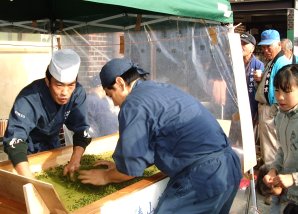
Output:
[[242, 204]]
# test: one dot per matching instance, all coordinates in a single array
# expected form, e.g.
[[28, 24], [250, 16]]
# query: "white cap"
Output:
[[64, 65]]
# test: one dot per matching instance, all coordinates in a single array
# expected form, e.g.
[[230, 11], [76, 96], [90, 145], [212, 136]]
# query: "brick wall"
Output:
[[95, 50]]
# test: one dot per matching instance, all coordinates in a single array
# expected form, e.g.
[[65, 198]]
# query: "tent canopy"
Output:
[[104, 15]]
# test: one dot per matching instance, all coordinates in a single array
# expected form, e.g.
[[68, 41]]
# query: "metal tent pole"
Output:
[[252, 196], [253, 192]]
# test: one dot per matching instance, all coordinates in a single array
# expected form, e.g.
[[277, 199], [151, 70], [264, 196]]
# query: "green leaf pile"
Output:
[[73, 193]]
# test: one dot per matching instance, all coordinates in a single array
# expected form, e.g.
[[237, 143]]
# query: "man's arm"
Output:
[[102, 177], [16, 150], [23, 169], [22, 120], [81, 140]]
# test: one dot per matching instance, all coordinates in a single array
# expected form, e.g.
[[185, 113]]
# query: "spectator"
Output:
[[284, 170], [287, 48]]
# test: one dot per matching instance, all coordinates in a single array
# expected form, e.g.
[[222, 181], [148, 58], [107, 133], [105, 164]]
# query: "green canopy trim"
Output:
[[215, 10], [105, 15]]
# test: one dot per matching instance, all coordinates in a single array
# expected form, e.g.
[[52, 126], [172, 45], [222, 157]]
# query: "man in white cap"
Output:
[[267, 107], [41, 109]]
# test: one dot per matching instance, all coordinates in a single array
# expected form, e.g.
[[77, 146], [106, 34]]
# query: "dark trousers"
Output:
[[207, 186], [189, 203]]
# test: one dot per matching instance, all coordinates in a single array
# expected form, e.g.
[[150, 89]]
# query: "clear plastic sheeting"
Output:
[[196, 58], [193, 56]]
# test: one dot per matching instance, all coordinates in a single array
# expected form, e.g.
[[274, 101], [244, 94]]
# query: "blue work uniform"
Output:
[[35, 121], [162, 125], [252, 65]]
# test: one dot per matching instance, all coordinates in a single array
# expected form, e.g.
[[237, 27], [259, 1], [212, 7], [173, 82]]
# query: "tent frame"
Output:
[[32, 25]]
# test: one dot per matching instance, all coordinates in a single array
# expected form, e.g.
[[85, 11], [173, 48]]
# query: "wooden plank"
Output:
[[11, 187], [44, 160], [95, 206], [8, 206], [34, 202]]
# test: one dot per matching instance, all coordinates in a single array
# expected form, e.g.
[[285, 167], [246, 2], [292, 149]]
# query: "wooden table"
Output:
[[15, 199]]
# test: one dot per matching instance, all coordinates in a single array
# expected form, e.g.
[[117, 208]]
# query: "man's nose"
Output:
[[65, 90]]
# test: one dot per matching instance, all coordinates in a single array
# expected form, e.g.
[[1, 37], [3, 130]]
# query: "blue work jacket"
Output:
[[162, 125], [36, 119]]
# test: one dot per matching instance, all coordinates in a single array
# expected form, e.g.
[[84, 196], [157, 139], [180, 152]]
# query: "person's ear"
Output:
[[120, 82]]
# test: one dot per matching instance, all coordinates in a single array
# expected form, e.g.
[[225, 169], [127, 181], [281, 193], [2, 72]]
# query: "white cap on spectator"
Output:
[[64, 65]]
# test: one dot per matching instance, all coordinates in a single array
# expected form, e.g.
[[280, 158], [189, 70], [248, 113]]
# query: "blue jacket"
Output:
[[162, 125], [280, 62], [253, 65], [265, 92]]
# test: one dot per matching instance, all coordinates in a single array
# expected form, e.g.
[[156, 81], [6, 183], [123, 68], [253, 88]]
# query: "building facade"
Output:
[[258, 15]]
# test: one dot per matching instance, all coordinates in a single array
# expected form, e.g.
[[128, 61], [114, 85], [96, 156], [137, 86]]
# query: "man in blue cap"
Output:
[[41, 109], [162, 125], [267, 107]]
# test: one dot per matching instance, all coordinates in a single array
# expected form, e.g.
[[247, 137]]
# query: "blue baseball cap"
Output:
[[269, 36], [115, 68]]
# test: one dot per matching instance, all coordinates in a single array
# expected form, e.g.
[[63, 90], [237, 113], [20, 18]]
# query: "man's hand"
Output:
[[74, 163], [257, 75], [97, 176], [101, 177], [71, 168]]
